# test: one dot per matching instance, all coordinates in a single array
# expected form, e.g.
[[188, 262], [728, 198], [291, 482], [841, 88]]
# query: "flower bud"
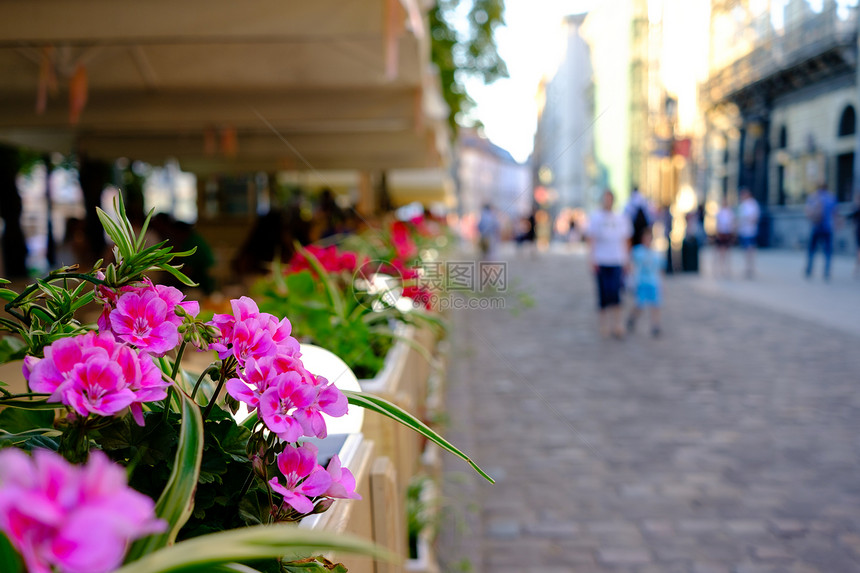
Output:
[[322, 505]]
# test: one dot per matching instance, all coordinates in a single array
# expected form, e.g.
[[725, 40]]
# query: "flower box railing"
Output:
[[168, 471]]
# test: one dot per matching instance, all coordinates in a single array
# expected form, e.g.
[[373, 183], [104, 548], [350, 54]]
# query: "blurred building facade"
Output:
[[487, 174], [608, 29], [649, 58], [781, 102], [563, 156], [677, 44]]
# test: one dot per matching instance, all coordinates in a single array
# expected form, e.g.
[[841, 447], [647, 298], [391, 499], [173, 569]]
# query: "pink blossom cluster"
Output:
[[76, 519], [419, 295], [305, 479], [330, 258], [96, 374], [404, 246], [270, 376], [409, 278], [145, 315]]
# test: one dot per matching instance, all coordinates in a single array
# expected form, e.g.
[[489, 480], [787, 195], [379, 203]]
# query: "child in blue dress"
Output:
[[647, 266]]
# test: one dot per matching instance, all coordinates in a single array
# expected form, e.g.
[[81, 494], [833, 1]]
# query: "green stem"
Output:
[[135, 460], [178, 360], [214, 399], [247, 485], [166, 412], [28, 395], [17, 301], [226, 367], [200, 380]]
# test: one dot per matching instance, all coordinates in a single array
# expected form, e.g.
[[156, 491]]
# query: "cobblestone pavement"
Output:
[[730, 444]]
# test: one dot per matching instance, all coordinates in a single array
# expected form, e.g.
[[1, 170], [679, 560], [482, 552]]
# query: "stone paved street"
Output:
[[730, 444]]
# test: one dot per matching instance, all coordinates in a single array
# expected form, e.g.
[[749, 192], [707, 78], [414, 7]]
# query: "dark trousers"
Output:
[[609, 285], [824, 238]]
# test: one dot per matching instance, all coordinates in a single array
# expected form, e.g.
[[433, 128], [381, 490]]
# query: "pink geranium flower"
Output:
[[342, 481], [304, 477], [76, 519], [249, 333], [328, 399], [255, 378], [97, 386], [94, 374], [171, 297], [143, 320], [287, 393]]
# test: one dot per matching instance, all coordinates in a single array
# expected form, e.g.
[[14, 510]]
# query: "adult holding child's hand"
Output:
[[608, 239]]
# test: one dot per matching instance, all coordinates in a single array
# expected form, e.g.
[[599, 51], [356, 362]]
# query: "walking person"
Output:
[[526, 236], [608, 239], [748, 218], [646, 277], [855, 216], [639, 212], [725, 238], [488, 231], [821, 212]]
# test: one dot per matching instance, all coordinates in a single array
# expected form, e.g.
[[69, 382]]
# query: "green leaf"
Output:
[[31, 404], [115, 233], [398, 414], [16, 420], [40, 438], [140, 240], [11, 348], [230, 568], [300, 284], [202, 553], [318, 563], [9, 560], [178, 274], [8, 295], [334, 294], [176, 503]]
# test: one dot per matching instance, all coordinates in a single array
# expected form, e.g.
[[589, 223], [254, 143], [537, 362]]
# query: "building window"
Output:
[[848, 122], [783, 138]]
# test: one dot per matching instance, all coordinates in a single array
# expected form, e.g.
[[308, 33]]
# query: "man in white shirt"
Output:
[[748, 217], [608, 239]]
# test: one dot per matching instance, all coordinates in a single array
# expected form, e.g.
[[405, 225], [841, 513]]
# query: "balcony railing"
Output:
[[830, 32]]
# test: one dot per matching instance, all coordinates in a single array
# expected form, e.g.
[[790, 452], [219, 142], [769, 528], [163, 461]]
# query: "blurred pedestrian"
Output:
[[526, 235], [666, 220], [608, 239], [75, 248], [749, 214], [327, 218], [267, 241], [855, 216], [488, 231], [646, 265], [639, 213], [724, 239], [821, 212]]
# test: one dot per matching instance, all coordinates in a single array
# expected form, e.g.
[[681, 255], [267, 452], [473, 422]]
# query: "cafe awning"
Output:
[[224, 86]]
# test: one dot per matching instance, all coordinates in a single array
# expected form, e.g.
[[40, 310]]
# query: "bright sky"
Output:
[[529, 43]]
